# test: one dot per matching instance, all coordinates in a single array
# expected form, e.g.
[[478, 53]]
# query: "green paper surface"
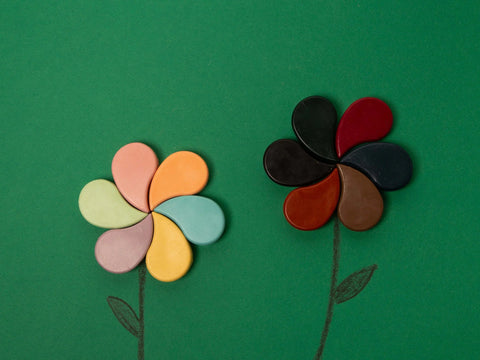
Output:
[[78, 80]]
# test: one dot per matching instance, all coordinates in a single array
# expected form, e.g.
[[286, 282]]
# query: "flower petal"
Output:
[[388, 165], [367, 119], [121, 250], [287, 163], [310, 207], [200, 219], [314, 121], [133, 167], [182, 173], [102, 205], [361, 205], [170, 255]]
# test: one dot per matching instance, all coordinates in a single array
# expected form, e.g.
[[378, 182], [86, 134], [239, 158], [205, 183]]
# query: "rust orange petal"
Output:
[[310, 207]]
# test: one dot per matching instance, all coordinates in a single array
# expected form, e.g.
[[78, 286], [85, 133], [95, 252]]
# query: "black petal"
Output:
[[314, 121], [287, 163]]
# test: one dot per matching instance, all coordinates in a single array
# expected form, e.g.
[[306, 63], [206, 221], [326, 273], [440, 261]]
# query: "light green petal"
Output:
[[102, 205]]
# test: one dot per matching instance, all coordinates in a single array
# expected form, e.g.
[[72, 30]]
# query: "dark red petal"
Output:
[[287, 163], [367, 119], [310, 207]]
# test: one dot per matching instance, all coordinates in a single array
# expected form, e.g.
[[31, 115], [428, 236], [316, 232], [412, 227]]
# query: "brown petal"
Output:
[[361, 204]]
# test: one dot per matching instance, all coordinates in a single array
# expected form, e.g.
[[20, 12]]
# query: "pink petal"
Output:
[[133, 167], [121, 250]]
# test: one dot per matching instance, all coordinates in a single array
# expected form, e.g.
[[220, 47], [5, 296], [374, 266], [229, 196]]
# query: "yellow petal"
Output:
[[170, 255]]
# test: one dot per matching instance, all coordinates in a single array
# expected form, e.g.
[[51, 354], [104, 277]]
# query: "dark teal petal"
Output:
[[388, 165]]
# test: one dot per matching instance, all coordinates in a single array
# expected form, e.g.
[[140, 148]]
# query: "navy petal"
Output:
[[388, 165], [314, 121], [287, 163]]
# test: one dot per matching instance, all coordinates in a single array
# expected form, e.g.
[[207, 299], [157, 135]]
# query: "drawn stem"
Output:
[[141, 299], [333, 284]]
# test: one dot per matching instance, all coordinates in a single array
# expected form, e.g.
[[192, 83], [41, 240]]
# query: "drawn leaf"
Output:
[[124, 314], [353, 284]]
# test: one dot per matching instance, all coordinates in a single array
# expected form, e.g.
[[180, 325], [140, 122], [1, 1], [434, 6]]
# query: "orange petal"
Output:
[[133, 167], [310, 207], [182, 173], [361, 204], [170, 255]]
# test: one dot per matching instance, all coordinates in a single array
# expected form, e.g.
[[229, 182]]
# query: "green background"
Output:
[[78, 81]]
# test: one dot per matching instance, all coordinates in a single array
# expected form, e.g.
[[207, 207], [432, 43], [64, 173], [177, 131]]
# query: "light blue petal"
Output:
[[201, 219]]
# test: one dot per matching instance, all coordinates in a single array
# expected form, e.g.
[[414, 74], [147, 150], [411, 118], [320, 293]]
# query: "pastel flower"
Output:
[[153, 212], [338, 168]]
